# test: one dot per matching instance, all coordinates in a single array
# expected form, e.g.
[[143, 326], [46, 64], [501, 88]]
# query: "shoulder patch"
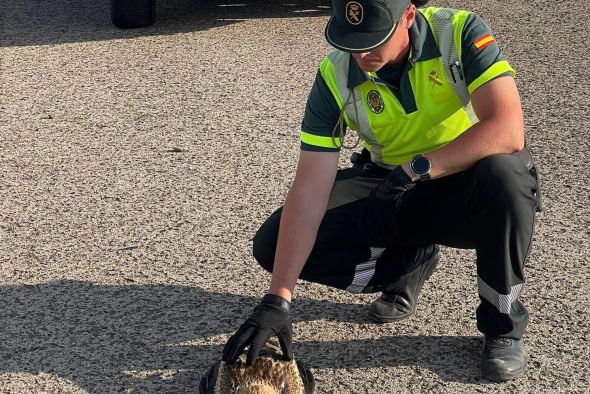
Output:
[[484, 41]]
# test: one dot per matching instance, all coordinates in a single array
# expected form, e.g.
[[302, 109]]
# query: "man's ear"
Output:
[[409, 16]]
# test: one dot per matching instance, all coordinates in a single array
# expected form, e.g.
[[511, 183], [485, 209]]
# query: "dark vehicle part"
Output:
[[128, 14]]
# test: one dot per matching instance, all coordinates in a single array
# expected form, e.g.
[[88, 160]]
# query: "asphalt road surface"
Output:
[[135, 167]]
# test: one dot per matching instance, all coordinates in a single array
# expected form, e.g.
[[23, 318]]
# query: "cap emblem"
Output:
[[375, 101], [354, 13]]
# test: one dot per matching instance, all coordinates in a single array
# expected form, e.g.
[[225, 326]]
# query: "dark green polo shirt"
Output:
[[322, 111]]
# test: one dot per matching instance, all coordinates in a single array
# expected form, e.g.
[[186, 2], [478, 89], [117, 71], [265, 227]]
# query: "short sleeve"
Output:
[[321, 119], [481, 55]]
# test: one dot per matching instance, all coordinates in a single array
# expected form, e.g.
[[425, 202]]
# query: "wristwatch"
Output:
[[420, 165]]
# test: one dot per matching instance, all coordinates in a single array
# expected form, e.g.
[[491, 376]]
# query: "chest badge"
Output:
[[375, 102], [434, 77], [354, 13]]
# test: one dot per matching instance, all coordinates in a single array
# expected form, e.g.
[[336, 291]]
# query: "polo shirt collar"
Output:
[[424, 48]]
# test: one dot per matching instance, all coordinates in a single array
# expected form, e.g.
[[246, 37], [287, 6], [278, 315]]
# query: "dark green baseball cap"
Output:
[[363, 25]]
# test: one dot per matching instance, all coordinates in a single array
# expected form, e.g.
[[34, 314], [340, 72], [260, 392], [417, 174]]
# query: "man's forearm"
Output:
[[500, 130], [482, 140], [300, 221]]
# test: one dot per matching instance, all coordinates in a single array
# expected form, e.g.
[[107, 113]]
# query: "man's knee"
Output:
[[504, 178], [265, 242], [500, 167]]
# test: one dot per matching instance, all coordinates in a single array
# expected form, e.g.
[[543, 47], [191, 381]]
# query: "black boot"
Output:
[[502, 359], [399, 300]]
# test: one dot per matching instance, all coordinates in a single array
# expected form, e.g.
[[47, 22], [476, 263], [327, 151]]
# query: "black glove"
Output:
[[377, 213], [271, 317]]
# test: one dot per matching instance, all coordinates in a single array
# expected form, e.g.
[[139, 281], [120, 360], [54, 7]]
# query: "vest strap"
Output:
[[444, 32]]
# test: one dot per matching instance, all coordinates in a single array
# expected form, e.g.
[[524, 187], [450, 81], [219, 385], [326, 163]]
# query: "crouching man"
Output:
[[434, 101]]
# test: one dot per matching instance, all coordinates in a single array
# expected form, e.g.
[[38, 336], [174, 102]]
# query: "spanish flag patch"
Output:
[[484, 41]]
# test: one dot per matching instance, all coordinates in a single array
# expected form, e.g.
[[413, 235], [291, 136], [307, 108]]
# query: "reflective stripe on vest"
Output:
[[334, 71], [449, 43]]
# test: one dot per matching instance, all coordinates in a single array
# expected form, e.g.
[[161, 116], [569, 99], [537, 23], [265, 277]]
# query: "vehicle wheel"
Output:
[[128, 14]]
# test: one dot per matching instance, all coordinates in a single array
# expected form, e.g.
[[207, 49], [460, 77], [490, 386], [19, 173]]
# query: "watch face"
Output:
[[421, 165]]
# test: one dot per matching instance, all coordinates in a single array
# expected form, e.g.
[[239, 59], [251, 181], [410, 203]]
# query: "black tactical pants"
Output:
[[489, 207]]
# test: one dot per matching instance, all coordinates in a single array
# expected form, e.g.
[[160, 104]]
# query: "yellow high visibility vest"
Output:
[[443, 99]]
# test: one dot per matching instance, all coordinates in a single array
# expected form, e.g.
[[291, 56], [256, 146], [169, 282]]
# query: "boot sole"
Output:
[[504, 377], [383, 319]]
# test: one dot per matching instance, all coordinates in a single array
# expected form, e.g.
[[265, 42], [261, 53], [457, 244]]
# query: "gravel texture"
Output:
[[136, 165]]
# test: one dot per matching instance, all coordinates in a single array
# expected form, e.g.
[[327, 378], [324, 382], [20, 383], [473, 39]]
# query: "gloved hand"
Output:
[[377, 213], [271, 317]]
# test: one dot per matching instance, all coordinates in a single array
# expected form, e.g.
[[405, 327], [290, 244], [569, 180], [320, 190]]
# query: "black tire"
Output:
[[128, 14]]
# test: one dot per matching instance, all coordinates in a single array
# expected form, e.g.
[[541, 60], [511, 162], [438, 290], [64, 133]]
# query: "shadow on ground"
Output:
[[33, 22], [161, 338]]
